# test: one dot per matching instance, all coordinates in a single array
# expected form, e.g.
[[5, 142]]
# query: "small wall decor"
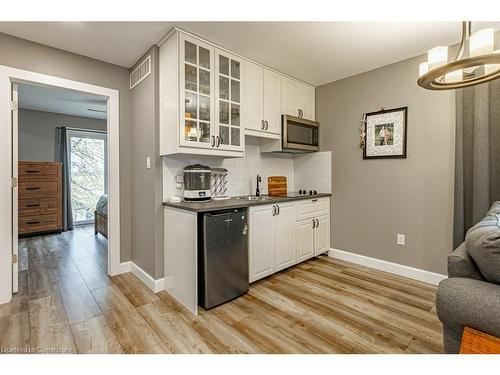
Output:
[[385, 134], [362, 133]]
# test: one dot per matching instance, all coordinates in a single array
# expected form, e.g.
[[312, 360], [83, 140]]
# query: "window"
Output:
[[88, 172]]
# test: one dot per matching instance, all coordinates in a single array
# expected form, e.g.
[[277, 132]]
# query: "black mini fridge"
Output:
[[223, 257]]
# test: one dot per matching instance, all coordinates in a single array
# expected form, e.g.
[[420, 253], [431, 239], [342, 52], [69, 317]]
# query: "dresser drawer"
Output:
[[29, 171], [39, 223], [42, 205], [29, 189], [313, 207]]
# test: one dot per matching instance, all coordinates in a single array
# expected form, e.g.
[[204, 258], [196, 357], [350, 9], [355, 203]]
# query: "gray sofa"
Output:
[[471, 295]]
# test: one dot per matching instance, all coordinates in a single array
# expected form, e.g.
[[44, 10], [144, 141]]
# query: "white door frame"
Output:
[[9, 75]]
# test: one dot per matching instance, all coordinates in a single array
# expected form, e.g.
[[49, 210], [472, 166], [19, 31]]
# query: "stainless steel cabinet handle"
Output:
[[317, 221], [315, 200], [314, 223], [218, 141], [274, 210], [267, 125], [212, 142], [262, 124]]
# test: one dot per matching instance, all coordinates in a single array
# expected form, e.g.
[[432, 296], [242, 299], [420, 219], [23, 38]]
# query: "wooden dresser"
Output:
[[40, 197]]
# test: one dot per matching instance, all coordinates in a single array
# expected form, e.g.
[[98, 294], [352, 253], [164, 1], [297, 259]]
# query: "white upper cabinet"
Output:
[[254, 96], [262, 101], [210, 98], [272, 101], [308, 101], [197, 93], [297, 98], [200, 98], [229, 70]]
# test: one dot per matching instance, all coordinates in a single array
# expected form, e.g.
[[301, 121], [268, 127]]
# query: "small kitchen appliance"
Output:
[[197, 183], [299, 135], [223, 257]]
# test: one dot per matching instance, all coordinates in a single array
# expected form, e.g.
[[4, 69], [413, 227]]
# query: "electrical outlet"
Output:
[[401, 239]]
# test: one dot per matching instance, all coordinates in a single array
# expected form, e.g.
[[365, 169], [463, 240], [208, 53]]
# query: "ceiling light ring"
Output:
[[430, 79]]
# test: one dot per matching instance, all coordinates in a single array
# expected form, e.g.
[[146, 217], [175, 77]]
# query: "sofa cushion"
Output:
[[494, 209], [483, 244]]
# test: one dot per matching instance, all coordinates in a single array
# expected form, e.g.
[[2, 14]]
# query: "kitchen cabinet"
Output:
[[279, 239], [313, 237], [272, 243], [228, 101], [272, 101], [322, 235], [305, 239], [262, 101], [197, 92], [297, 99], [200, 98], [285, 254], [261, 242]]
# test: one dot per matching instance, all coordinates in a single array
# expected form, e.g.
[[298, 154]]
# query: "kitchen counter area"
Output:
[[238, 202], [264, 235]]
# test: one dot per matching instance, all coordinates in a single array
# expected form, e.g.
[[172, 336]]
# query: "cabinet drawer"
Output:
[[32, 206], [312, 208], [28, 189], [38, 171], [39, 223]]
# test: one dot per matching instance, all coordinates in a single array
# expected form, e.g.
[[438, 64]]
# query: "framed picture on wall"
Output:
[[385, 133]]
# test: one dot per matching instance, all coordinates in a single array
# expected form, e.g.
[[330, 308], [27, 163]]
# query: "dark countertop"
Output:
[[216, 205]]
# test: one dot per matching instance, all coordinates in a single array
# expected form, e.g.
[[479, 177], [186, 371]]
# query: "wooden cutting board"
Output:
[[277, 186]]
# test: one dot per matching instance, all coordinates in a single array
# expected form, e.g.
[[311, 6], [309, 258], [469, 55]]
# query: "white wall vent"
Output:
[[141, 72]]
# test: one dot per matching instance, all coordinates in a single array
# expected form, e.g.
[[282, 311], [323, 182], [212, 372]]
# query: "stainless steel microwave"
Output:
[[299, 135]]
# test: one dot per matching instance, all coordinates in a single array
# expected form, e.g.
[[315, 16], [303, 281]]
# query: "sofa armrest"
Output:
[[466, 302], [460, 264]]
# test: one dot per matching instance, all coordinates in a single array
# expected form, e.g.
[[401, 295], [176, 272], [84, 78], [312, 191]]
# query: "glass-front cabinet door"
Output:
[[228, 101], [196, 93]]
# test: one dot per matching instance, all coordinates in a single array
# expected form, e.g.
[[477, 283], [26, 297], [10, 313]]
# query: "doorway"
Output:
[[9, 78]]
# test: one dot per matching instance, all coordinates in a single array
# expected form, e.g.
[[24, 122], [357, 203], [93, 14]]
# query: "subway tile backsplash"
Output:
[[308, 171]]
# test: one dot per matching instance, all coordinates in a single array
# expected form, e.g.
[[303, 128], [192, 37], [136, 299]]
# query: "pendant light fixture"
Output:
[[476, 62]]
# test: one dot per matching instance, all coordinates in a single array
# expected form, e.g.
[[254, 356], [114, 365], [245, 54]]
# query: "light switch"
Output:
[[148, 162]]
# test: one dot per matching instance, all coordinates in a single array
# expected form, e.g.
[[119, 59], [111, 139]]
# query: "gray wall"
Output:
[[38, 133], [373, 200], [23, 54], [147, 220]]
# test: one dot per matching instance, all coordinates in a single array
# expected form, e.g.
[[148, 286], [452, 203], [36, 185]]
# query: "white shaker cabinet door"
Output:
[[261, 242], [290, 97], [284, 238], [308, 102], [272, 101], [254, 88], [305, 239], [322, 235]]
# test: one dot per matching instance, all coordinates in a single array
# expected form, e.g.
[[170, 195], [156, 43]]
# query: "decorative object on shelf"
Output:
[[385, 134], [476, 62]]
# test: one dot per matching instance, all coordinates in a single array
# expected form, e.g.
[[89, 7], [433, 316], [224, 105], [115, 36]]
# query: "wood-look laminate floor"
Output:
[[66, 303]]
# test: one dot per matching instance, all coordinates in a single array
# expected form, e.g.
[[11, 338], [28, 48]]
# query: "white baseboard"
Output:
[[125, 267], [155, 285], [382, 265]]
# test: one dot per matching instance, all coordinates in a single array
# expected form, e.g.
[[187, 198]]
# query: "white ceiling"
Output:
[[316, 52], [57, 100]]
